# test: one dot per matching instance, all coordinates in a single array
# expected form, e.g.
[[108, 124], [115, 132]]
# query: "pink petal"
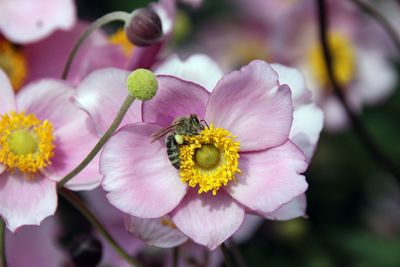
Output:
[[159, 232], [295, 80], [37, 244], [270, 178], [250, 104], [308, 121], [101, 95], [46, 58], [175, 98], [34, 20], [7, 100], [294, 209], [207, 76], [138, 175], [248, 228], [26, 201], [74, 133], [208, 220]]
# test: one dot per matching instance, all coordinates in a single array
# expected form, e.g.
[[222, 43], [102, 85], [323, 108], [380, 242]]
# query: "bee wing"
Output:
[[163, 131]]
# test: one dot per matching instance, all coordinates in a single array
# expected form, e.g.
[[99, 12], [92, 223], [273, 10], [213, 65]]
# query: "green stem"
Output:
[[117, 121], [370, 10], [175, 256], [3, 258], [110, 17], [227, 257], [80, 206]]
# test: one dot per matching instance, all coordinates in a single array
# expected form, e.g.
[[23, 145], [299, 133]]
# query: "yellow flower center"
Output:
[[209, 160], [26, 143], [342, 56], [119, 38], [13, 63]]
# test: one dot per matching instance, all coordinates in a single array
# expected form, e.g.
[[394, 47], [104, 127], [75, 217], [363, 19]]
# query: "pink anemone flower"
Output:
[[243, 161], [30, 21], [43, 136]]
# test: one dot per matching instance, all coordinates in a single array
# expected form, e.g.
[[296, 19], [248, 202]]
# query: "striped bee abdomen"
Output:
[[172, 150]]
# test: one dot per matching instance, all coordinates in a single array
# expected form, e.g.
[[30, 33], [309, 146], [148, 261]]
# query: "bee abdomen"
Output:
[[172, 151]]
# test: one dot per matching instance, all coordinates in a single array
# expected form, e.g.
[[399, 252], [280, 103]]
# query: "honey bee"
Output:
[[178, 129]]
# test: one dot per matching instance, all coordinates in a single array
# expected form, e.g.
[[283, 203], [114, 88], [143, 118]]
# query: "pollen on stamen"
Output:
[[26, 143], [221, 171]]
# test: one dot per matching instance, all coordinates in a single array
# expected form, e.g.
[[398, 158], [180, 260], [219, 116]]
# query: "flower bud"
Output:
[[142, 84], [144, 28]]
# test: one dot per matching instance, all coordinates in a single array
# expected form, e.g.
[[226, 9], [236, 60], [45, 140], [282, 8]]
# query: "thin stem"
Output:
[[3, 258], [80, 206], [100, 22], [370, 10], [357, 125], [239, 259], [227, 257], [175, 256], [117, 121]]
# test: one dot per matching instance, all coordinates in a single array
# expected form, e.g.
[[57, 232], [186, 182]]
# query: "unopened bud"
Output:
[[144, 28], [142, 84]]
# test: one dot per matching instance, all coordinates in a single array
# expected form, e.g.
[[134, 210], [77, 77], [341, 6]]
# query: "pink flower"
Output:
[[42, 137], [31, 21], [259, 170]]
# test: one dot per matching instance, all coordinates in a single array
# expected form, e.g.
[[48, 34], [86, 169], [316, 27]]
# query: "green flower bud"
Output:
[[142, 84]]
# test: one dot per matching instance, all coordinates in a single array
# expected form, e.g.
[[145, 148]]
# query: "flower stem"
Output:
[[370, 10], [175, 256], [227, 257], [80, 206], [117, 121], [107, 18], [3, 258], [236, 253], [357, 124]]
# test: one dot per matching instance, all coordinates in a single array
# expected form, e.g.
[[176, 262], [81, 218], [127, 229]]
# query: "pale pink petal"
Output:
[[175, 98], [248, 228], [308, 121], [159, 232], [208, 220], [189, 70], [335, 117], [74, 132], [35, 246], [293, 209], [376, 76], [46, 58], [7, 99], [138, 174], [270, 178], [295, 80], [2, 168], [26, 201], [251, 105], [30, 21], [101, 95]]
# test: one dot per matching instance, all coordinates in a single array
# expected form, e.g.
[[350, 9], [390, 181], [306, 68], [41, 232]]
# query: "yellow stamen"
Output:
[[13, 63], [342, 56], [26, 143], [168, 222], [209, 160], [119, 38]]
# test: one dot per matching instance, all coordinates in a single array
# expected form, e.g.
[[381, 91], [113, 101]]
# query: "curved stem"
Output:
[[370, 10], [80, 206], [3, 258], [227, 257], [175, 256], [357, 125], [117, 121], [110, 17]]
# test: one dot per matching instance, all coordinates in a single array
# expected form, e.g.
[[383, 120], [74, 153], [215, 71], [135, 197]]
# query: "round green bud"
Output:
[[142, 84]]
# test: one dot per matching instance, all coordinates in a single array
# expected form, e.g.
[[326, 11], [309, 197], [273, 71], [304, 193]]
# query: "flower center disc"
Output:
[[119, 38], [13, 63], [342, 56], [209, 160], [26, 143]]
